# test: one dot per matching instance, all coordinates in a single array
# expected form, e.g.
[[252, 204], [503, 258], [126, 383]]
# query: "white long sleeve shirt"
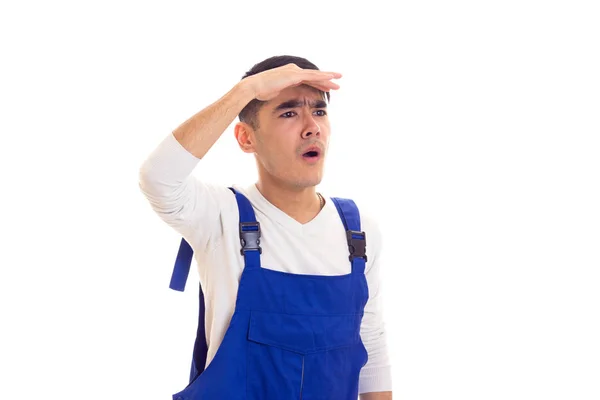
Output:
[[206, 215]]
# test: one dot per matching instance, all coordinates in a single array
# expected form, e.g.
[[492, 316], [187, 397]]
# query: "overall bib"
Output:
[[291, 336]]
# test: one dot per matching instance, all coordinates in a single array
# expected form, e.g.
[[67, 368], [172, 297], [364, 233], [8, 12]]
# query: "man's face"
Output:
[[290, 125]]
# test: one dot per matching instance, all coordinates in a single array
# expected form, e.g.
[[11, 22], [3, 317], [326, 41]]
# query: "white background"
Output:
[[470, 128]]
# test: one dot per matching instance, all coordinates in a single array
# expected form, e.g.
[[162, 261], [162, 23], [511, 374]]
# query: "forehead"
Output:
[[302, 92]]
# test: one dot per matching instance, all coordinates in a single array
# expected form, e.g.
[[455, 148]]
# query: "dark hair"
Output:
[[249, 114]]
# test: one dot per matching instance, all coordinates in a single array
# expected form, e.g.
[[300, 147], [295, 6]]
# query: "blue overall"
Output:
[[291, 336]]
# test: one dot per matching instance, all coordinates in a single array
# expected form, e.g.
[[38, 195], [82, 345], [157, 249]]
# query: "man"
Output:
[[290, 300]]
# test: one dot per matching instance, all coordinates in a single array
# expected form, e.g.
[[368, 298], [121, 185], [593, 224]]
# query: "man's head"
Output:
[[282, 130]]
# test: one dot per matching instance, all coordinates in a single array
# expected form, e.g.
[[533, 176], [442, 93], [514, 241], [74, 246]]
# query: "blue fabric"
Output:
[[181, 269], [200, 344], [291, 336]]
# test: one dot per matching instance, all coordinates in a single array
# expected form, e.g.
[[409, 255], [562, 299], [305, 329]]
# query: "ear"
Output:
[[244, 134]]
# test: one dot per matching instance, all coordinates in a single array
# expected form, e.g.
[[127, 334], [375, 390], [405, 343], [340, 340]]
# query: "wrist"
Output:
[[245, 90]]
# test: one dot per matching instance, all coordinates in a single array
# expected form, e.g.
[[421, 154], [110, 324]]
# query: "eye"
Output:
[[289, 112]]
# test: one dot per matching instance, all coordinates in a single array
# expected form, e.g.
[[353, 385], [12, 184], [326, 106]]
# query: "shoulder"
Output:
[[368, 220]]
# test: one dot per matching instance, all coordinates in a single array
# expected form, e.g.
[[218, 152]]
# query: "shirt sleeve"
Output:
[[187, 204], [376, 375]]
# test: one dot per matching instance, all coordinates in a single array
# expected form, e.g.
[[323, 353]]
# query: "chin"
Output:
[[309, 182], [300, 179]]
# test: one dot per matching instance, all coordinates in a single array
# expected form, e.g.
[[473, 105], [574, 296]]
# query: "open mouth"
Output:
[[311, 154]]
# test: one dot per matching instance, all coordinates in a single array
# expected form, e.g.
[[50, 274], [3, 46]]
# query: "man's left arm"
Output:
[[375, 381]]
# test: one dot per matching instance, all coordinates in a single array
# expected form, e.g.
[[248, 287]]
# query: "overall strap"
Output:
[[249, 238], [356, 238], [181, 270], [249, 232]]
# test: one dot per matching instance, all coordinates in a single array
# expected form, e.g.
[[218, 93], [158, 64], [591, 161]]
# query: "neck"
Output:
[[301, 204]]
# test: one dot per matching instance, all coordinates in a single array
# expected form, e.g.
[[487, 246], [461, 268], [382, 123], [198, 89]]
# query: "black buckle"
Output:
[[250, 236], [357, 245]]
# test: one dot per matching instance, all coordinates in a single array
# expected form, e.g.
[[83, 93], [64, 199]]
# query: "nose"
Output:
[[311, 128]]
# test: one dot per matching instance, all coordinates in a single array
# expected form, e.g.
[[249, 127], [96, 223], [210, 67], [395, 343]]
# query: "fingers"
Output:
[[333, 85], [328, 74], [316, 75], [321, 79], [315, 72], [324, 86], [317, 79], [329, 85], [336, 75]]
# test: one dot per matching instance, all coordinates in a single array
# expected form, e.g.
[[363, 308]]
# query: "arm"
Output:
[[375, 380], [200, 132], [184, 202]]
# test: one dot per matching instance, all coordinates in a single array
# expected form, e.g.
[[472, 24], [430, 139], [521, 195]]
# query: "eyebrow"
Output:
[[295, 103]]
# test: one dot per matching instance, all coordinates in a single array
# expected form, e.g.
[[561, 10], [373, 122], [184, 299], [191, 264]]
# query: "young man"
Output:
[[290, 299]]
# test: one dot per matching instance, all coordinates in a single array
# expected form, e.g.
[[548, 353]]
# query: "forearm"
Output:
[[376, 396], [200, 132]]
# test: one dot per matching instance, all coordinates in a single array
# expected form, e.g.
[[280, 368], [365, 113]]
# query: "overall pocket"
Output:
[[282, 349]]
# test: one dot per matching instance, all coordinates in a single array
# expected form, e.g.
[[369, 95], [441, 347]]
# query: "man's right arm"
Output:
[[200, 132], [187, 204]]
